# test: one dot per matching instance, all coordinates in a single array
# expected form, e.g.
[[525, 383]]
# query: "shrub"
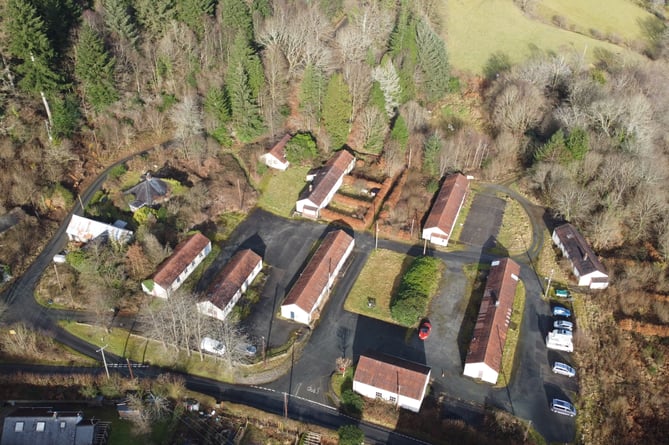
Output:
[[352, 403], [117, 171], [350, 435], [302, 147], [418, 284]]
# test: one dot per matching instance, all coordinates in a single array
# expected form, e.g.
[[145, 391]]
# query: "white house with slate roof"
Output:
[[586, 267]]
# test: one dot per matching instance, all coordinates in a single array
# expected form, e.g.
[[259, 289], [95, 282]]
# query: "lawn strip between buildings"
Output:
[[378, 281], [512, 335], [280, 189]]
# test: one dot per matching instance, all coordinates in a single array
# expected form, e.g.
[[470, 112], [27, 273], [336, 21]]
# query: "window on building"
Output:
[[18, 427], [62, 425], [193, 263], [393, 399], [178, 279], [379, 395], [40, 426]]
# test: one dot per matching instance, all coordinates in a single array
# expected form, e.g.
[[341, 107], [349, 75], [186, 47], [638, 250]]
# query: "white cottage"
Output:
[[445, 210], [171, 274], [304, 301], [229, 285], [276, 157], [392, 379], [586, 267], [324, 184]]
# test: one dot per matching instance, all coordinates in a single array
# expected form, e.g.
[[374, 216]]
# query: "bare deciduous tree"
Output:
[[389, 81], [187, 119], [517, 106]]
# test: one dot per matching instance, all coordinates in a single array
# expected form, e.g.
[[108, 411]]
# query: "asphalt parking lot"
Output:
[[483, 220]]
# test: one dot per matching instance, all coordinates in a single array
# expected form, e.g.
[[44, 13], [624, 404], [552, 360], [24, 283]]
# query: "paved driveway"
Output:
[[483, 220]]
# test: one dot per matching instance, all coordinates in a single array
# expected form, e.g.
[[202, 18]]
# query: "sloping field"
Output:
[[616, 17], [475, 29]]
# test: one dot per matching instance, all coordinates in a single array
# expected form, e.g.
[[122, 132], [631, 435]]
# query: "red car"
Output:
[[424, 330]]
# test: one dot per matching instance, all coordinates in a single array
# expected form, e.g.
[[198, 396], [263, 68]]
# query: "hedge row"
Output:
[[418, 285]]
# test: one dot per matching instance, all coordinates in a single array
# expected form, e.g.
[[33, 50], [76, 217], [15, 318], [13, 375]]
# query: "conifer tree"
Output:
[[58, 16], [94, 69], [119, 21], [336, 110], [242, 53], [29, 43], [245, 112], [311, 94], [191, 12], [155, 15], [433, 62], [236, 16]]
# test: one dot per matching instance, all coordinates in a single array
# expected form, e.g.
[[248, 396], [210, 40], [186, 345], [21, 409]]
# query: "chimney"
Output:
[[311, 187]]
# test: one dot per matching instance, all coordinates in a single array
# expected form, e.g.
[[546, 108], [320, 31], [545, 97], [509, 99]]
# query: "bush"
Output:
[[350, 435], [302, 147], [418, 284], [352, 403], [117, 171]]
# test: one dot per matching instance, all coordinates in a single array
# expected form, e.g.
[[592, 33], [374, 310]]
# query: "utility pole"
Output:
[[104, 360], [424, 247], [550, 278], [264, 355]]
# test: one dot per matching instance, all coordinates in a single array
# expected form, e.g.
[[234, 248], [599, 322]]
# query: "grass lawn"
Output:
[[618, 17], [512, 335], [143, 350], [280, 190], [515, 231], [476, 30], [377, 280]]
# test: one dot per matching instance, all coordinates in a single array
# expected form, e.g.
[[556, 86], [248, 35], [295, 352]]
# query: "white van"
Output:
[[563, 407], [212, 346]]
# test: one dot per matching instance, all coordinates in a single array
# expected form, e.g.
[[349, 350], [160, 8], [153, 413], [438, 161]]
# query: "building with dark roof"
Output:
[[441, 220], [484, 358], [276, 156], [324, 184], [586, 267], [148, 192], [392, 379], [45, 426], [172, 272], [303, 302], [230, 283]]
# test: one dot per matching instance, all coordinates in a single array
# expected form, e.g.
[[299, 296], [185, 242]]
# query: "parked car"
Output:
[[563, 369], [559, 311], [563, 332], [563, 407], [212, 346], [562, 293], [424, 330], [563, 324], [60, 257], [249, 349]]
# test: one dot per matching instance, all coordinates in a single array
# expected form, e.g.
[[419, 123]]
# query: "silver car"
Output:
[[563, 407], [563, 369], [563, 324]]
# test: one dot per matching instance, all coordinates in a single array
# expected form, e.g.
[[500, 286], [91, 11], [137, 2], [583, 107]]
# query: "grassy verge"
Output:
[[377, 280], [462, 217], [476, 30], [143, 350], [280, 190], [515, 230], [512, 335]]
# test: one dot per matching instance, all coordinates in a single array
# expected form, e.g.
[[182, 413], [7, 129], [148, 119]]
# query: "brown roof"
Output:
[[183, 255], [448, 201], [578, 250], [230, 279], [327, 177], [279, 150], [392, 374], [314, 277], [494, 313]]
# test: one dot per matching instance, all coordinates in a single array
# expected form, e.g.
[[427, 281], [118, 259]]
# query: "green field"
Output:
[[618, 17], [477, 29], [281, 189]]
